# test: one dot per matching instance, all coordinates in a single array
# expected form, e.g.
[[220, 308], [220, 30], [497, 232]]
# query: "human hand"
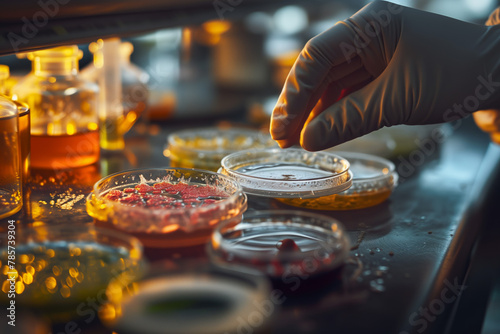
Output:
[[489, 120], [386, 65]]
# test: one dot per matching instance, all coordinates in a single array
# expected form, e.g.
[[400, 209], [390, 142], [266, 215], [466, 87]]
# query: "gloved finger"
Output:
[[494, 18], [353, 116], [330, 95], [488, 120], [348, 77], [328, 99], [309, 77]]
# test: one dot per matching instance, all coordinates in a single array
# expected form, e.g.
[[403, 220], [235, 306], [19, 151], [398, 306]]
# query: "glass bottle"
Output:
[[64, 120]]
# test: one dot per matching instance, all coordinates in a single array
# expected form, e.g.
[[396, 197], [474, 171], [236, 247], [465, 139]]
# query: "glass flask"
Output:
[[64, 119]]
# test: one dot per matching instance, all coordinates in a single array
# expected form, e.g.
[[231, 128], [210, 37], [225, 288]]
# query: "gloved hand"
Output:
[[489, 120], [395, 65]]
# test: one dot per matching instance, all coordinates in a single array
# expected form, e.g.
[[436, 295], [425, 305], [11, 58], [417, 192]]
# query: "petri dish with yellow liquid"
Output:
[[204, 148], [374, 180]]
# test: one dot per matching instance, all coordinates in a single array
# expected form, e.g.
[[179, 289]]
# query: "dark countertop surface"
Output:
[[417, 249]]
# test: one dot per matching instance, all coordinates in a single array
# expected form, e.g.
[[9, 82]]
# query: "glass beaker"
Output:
[[64, 123], [10, 159]]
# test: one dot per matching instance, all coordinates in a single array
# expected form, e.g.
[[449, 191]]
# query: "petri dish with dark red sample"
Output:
[[286, 245]]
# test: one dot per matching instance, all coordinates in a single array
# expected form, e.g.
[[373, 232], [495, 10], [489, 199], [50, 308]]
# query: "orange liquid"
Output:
[[64, 151], [24, 137]]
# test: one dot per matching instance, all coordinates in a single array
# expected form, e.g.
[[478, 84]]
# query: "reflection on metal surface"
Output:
[[55, 194]]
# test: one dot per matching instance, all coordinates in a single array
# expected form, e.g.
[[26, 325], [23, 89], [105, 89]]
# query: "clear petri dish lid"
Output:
[[289, 173], [276, 241], [369, 173]]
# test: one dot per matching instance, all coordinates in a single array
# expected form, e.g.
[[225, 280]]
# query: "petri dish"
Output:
[[193, 299], [282, 244], [373, 181], [166, 208], [57, 268], [289, 173], [203, 148]]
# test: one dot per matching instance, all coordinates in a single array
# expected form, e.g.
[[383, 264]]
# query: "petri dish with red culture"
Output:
[[166, 208]]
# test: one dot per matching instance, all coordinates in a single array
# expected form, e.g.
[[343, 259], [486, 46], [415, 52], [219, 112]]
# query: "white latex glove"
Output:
[[489, 120], [408, 66]]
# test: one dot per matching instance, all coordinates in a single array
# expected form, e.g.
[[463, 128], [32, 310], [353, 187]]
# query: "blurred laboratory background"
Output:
[[234, 65]]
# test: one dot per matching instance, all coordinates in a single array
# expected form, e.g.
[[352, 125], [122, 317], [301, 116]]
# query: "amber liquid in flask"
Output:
[[64, 122], [65, 151]]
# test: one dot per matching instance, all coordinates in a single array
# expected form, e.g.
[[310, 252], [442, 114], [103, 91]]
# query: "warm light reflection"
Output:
[[70, 129], [54, 279], [216, 27], [19, 287], [170, 228]]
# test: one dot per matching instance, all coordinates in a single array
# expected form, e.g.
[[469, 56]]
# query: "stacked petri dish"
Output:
[[313, 180], [374, 180]]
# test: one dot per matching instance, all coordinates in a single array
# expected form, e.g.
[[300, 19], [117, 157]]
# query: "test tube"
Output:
[[110, 97], [4, 75], [11, 200]]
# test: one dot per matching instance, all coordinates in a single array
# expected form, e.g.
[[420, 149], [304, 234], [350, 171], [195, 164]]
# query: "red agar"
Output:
[[167, 195]]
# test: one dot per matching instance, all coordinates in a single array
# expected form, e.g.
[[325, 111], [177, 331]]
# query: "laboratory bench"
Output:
[[424, 261]]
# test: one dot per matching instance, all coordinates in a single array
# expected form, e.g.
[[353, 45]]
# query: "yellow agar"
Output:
[[353, 201]]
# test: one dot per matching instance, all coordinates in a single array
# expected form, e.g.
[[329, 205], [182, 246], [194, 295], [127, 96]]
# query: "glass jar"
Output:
[[64, 119]]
